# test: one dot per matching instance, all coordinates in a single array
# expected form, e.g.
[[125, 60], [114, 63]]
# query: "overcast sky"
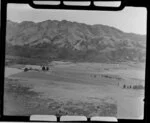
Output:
[[128, 20]]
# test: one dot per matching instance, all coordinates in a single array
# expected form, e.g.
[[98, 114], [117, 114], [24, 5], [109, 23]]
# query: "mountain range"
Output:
[[66, 40]]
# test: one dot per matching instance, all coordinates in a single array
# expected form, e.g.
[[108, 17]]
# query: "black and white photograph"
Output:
[[75, 62]]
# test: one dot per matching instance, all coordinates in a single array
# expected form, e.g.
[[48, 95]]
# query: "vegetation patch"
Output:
[[24, 101]]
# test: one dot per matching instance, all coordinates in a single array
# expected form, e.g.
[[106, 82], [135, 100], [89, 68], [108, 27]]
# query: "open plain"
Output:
[[90, 89]]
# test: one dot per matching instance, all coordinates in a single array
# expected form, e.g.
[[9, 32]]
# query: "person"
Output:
[[47, 68], [43, 68], [124, 86]]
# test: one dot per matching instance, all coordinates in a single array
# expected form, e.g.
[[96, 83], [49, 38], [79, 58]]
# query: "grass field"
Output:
[[90, 89]]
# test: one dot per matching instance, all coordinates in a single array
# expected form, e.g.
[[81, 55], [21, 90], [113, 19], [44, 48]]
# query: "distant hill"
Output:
[[52, 39]]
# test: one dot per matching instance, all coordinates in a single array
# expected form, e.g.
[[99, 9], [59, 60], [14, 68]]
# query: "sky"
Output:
[[130, 19]]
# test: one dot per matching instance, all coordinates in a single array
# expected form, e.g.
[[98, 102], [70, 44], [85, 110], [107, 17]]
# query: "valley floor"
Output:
[[90, 89]]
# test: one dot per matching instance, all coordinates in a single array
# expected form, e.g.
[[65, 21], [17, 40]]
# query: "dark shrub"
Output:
[[26, 69]]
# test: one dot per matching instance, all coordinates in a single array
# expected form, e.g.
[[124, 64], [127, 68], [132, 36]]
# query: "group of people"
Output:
[[127, 86], [138, 86], [43, 68]]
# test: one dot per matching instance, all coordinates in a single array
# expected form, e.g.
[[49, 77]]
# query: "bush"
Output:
[[26, 69]]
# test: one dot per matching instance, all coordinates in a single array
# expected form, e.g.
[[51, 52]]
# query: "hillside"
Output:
[[65, 40]]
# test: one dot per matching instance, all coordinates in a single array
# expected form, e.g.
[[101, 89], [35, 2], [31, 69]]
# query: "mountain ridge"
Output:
[[92, 41]]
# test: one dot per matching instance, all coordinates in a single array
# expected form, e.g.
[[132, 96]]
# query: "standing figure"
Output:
[[47, 68], [43, 68], [124, 86]]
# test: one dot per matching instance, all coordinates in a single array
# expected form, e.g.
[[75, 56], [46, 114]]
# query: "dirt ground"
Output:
[[90, 89]]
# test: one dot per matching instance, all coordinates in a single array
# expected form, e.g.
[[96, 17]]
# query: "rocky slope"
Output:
[[54, 39]]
